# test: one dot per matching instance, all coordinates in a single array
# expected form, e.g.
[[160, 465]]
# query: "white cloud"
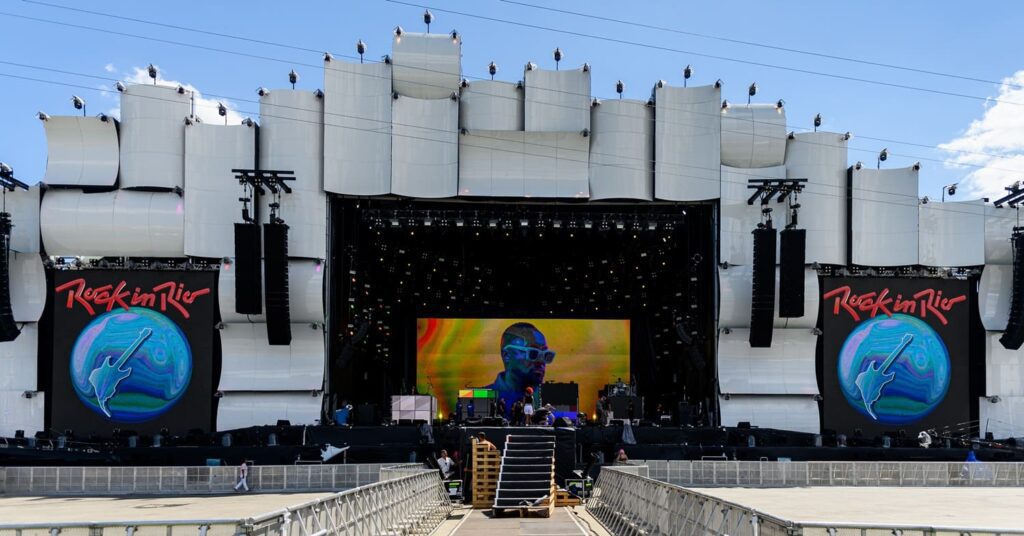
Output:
[[995, 142], [206, 108], [110, 68]]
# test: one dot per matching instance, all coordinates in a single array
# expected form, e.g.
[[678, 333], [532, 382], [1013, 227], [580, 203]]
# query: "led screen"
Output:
[[508, 355], [896, 354], [132, 350]]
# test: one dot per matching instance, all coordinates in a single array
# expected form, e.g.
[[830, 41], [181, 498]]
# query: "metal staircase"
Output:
[[526, 481]]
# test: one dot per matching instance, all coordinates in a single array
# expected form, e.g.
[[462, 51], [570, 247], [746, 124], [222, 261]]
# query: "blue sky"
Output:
[[978, 40]]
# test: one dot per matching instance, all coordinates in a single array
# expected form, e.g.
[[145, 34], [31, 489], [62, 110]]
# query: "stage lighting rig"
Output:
[[492, 69], [619, 88], [1013, 198], [687, 73], [766, 189], [950, 190], [293, 77], [222, 111], [817, 121], [78, 103], [882, 157], [7, 180], [558, 57], [428, 17], [751, 91], [120, 87], [153, 72], [360, 49]]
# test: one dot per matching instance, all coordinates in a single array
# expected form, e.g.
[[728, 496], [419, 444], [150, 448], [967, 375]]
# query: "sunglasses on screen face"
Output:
[[534, 354]]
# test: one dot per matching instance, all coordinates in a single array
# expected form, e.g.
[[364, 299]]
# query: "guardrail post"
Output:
[[286, 520]]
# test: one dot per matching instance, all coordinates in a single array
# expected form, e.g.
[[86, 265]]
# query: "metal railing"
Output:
[[198, 480], [390, 472], [412, 504], [781, 474], [209, 527], [627, 504]]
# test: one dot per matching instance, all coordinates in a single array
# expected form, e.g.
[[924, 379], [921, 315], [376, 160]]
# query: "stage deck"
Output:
[[106, 509], [954, 507], [564, 521]]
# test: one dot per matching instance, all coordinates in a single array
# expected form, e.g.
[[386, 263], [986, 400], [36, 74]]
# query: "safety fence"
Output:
[[199, 480], [629, 504], [412, 502], [781, 474]]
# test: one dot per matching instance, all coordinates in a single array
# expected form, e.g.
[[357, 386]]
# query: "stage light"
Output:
[[455, 37], [222, 111], [120, 87], [556, 224], [248, 122], [558, 57], [492, 223], [78, 103], [817, 121], [43, 116], [882, 157], [524, 222], [492, 68], [588, 224], [652, 225], [779, 105], [459, 222], [398, 31], [428, 17], [428, 221], [293, 77], [360, 49], [751, 91], [687, 73], [619, 88], [949, 189], [394, 222], [153, 72], [725, 104], [262, 91], [719, 83]]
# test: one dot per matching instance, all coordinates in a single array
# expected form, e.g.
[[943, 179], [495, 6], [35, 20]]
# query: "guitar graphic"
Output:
[[106, 377], [874, 378]]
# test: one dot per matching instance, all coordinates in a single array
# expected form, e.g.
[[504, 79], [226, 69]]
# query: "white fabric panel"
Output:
[[687, 143], [242, 410], [622, 149], [250, 364], [821, 158], [23, 206], [952, 234], [795, 413], [999, 223], [357, 128], [1004, 369], [1004, 418], [491, 105], [146, 224], [557, 101], [738, 219], [28, 286], [735, 293], [427, 66], [211, 192], [305, 293], [786, 368], [523, 164], [20, 413], [80, 151], [425, 147], [18, 360], [753, 135], [153, 136], [291, 138], [884, 218], [994, 292]]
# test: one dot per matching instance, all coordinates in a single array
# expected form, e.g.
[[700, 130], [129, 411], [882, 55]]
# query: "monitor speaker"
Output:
[[792, 249], [1013, 336], [8, 328], [275, 279], [762, 300], [248, 270]]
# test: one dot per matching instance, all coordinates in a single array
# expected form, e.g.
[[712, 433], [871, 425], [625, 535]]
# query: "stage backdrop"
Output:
[[896, 354], [132, 350], [454, 353]]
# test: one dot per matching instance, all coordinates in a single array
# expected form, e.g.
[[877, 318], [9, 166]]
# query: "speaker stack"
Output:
[[275, 279], [8, 328], [792, 250], [762, 300], [1013, 336], [248, 270]]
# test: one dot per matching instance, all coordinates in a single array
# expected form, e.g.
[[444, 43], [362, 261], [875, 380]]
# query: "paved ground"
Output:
[[143, 508], [961, 507], [564, 521]]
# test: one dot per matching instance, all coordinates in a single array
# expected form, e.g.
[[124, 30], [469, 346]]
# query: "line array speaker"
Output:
[[275, 279], [792, 249], [1013, 337], [248, 270], [762, 300], [8, 328]]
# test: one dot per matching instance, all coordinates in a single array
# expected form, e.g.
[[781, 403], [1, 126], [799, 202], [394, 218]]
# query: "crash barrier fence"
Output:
[[411, 501], [783, 474], [189, 480], [629, 504]]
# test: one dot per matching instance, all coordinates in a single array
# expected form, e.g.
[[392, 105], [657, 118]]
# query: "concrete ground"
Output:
[[145, 508], [564, 521], [955, 507]]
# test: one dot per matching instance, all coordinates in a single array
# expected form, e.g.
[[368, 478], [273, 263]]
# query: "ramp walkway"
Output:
[[563, 521]]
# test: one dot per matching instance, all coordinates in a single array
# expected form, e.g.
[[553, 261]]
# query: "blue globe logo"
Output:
[[131, 366], [894, 370]]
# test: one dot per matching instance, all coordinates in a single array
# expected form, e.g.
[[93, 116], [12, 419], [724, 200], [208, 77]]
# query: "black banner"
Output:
[[896, 354], [132, 350]]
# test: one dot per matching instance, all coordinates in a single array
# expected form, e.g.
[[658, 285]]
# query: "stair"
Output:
[[486, 465], [526, 481]]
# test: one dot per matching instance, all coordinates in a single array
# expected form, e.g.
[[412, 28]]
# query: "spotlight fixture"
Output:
[[817, 121], [492, 69], [455, 37], [78, 103], [619, 88], [882, 157], [949, 189], [293, 77], [360, 49], [687, 73], [222, 111], [719, 83], [558, 57], [262, 91], [779, 105], [848, 136], [751, 91], [120, 87], [43, 116], [153, 72], [428, 17], [725, 104], [181, 90], [248, 122]]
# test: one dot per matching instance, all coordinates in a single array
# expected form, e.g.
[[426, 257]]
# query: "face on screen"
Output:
[[526, 356]]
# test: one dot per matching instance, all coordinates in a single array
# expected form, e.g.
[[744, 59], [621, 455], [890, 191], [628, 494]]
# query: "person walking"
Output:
[[243, 475]]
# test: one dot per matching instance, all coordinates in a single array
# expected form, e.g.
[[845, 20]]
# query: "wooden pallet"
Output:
[[486, 468], [563, 498]]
